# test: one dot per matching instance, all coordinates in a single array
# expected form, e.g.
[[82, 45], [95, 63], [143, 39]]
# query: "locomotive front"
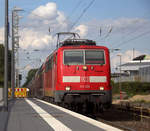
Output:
[[84, 75]]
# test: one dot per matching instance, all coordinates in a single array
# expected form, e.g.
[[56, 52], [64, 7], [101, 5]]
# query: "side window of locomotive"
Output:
[[49, 64], [55, 59], [94, 57], [46, 67], [52, 62], [73, 57]]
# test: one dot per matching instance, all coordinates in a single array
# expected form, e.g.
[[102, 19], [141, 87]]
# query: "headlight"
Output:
[[84, 68], [101, 88], [67, 88]]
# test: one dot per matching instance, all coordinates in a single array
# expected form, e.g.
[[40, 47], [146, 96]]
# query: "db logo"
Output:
[[84, 79]]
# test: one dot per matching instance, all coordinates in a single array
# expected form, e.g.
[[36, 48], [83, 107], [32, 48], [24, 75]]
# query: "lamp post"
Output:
[[120, 79]]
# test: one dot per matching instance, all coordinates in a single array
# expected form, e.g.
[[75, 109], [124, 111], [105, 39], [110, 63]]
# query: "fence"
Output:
[[144, 74]]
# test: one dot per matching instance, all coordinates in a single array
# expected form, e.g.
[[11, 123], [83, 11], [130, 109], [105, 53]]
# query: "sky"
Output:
[[123, 24]]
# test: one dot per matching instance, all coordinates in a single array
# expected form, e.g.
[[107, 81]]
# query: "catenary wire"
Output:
[[134, 38], [74, 9], [82, 13]]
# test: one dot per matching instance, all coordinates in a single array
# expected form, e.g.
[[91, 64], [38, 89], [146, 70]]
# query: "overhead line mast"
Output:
[[15, 47]]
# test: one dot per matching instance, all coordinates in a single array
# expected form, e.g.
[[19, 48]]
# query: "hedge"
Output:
[[132, 88]]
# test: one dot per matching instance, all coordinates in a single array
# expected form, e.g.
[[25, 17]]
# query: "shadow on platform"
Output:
[[5, 114]]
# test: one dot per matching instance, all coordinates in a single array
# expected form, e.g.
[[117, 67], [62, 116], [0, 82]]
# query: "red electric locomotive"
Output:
[[77, 73]]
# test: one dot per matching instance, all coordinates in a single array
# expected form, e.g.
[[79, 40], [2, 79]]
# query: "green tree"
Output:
[[29, 77], [2, 66]]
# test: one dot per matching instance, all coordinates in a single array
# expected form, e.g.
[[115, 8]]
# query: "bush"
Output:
[[132, 88]]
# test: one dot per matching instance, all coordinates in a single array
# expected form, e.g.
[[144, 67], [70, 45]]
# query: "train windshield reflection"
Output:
[[94, 57], [75, 57]]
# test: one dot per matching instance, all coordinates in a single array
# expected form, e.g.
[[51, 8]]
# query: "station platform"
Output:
[[37, 115]]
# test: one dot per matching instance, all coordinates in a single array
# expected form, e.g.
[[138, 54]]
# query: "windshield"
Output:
[[76, 57], [94, 57], [73, 57]]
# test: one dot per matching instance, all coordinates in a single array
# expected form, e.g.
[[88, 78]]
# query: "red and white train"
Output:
[[77, 73]]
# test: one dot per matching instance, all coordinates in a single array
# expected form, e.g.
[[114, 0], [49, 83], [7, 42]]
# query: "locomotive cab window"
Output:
[[82, 57], [73, 57], [94, 57]]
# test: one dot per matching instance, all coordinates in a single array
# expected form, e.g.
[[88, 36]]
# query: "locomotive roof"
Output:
[[77, 42], [83, 47]]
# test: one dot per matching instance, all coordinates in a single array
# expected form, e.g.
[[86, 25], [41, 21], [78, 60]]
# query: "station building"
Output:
[[136, 70]]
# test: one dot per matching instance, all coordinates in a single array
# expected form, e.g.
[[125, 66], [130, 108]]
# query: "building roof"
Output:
[[142, 57], [136, 63]]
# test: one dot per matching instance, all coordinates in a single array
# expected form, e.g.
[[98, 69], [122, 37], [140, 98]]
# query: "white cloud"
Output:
[[48, 16], [34, 39], [36, 34], [48, 11], [82, 30]]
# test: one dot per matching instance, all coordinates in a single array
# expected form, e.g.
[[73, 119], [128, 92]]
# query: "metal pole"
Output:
[[17, 73], [120, 80], [17, 49], [6, 58], [12, 59], [133, 53]]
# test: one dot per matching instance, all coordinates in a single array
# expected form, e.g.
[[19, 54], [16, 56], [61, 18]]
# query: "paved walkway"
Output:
[[37, 115]]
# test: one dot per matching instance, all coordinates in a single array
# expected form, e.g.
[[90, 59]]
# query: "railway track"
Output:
[[128, 119]]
